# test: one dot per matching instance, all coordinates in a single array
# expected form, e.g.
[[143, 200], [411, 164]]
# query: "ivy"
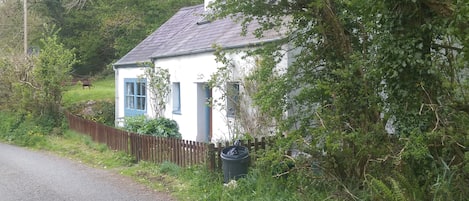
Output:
[[372, 86]]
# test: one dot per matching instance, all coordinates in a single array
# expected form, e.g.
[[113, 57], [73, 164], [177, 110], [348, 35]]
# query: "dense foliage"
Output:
[[161, 127], [22, 130], [105, 30], [375, 95], [101, 31], [35, 81]]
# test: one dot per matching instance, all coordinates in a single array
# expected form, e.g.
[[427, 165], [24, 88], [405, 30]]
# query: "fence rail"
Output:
[[158, 149], [254, 146]]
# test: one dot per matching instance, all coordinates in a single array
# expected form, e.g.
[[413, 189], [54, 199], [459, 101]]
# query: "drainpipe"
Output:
[[116, 92]]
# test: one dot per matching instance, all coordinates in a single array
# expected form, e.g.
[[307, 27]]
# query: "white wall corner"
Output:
[[207, 3]]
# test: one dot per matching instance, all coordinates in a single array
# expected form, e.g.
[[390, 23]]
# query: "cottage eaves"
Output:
[[187, 33]]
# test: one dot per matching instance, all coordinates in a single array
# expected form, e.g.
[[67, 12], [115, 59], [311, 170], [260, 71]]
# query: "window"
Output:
[[232, 98], [135, 92], [176, 88]]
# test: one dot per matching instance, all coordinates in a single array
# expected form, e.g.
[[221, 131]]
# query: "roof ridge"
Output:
[[182, 28], [191, 7], [150, 38], [181, 35]]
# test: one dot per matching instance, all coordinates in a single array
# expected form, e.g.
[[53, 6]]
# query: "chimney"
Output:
[[206, 3]]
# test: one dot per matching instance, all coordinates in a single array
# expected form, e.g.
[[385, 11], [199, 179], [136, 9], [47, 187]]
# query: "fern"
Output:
[[413, 189], [392, 191], [399, 195], [380, 188]]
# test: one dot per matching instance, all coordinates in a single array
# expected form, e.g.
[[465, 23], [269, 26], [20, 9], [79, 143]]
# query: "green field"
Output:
[[103, 89]]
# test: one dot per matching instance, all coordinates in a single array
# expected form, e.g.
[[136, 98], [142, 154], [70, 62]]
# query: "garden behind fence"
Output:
[[159, 149]]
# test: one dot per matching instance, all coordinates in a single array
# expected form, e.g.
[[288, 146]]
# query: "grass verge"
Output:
[[192, 183], [164, 177], [82, 148]]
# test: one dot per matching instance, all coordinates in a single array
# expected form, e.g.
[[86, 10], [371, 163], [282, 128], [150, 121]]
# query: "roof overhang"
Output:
[[139, 64], [205, 50]]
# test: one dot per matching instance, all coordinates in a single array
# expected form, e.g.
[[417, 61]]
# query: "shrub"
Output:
[[101, 111], [170, 168], [22, 129], [161, 127]]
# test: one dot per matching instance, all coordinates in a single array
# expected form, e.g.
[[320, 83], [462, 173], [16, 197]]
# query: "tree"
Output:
[[159, 87], [52, 69], [102, 31], [11, 27], [362, 67], [35, 82]]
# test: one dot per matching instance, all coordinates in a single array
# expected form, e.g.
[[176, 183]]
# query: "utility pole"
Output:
[[25, 23]]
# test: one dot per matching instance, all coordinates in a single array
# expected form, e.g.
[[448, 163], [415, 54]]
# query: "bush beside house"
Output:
[[161, 127]]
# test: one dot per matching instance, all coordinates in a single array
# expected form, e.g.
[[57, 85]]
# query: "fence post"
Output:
[[263, 143], [219, 150], [192, 152], [177, 151], [211, 156]]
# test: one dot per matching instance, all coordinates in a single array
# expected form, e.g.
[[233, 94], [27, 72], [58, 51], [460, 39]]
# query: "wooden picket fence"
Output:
[[255, 147], [158, 149]]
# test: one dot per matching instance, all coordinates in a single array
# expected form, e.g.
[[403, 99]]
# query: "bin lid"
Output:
[[234, 152]]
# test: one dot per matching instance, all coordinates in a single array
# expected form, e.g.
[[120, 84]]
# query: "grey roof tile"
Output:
[[182, 35]]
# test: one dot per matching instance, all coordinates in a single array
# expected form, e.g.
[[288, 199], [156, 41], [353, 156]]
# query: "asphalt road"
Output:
[[28, 175]]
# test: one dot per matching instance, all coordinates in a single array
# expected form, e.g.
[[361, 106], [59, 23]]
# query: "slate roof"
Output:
[[184, 34]]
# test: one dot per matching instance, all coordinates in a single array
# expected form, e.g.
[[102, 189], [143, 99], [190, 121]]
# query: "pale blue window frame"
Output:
[[176, 90], [135, 96]]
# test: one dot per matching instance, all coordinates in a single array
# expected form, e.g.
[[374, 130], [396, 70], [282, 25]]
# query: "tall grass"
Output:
[[22, 129], [258, 185]]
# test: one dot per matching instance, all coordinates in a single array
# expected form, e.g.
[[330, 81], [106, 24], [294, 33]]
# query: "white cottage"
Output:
[[184, 46]]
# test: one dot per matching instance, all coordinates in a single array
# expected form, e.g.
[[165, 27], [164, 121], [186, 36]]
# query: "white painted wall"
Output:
[[191, 71], [207, 2], [120, 75]]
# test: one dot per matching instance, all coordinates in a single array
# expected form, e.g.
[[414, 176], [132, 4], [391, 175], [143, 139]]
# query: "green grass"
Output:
[[82, 148], [192, 183], [101, 90], [258, 185]]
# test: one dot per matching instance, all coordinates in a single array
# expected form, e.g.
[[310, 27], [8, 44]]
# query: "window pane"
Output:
[[129, 102], [144, 90], [140, 103], [232, 96], [129, 87], [141, 88], [138, 89], [176, 97]]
